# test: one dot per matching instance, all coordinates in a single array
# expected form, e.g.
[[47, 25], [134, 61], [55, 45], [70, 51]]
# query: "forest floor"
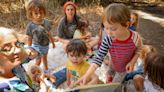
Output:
[[151, 22]]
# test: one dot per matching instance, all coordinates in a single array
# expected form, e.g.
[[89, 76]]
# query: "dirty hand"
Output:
[[129, 67], [81, 81]]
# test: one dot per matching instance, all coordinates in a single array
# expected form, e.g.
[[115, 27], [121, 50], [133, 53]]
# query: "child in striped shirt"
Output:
[[121, 43]]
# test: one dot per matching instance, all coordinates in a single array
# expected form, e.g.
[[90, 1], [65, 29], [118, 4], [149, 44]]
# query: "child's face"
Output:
[[115, 30], [76, 60], [133, 19], [70, 11], [36, 73], [37, 15]]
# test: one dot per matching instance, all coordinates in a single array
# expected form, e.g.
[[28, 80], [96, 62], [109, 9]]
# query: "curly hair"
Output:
[[35, 5]]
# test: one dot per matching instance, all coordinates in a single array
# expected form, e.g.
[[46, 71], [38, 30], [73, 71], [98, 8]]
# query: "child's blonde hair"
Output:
[[34, 5], [117, 13]]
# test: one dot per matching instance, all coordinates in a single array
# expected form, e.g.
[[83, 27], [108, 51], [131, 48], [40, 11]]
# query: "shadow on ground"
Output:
[[153, 34]]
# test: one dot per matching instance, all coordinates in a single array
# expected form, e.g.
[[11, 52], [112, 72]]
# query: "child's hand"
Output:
[[129, 67], [83, 80], [71, 86], [68, 83]]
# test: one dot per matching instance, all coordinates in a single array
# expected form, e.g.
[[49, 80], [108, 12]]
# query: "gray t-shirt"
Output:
[[39, 33], [66, 30]]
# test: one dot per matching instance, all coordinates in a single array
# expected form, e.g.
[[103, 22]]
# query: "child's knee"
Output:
[[138, 82], [138, 78]]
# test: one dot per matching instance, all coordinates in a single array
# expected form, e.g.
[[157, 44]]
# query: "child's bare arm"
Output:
[[51, 39], [83, 80], [68, 74], [130, 65], [94, 79], [29, 40]]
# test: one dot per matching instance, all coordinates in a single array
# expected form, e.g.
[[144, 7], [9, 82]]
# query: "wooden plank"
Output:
[[96, 88]]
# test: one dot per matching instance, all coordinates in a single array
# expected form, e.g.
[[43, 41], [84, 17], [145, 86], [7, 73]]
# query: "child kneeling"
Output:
[[77, 65]]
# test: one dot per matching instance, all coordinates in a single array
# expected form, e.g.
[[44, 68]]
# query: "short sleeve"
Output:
[[47, 25], [28, 29], [60, 29]]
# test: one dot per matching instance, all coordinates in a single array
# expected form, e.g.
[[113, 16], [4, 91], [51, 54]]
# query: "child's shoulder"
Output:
[[135, 34], [31, 25]]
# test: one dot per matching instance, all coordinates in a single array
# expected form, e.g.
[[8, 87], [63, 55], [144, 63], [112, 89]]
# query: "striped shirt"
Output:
[[121, 51]]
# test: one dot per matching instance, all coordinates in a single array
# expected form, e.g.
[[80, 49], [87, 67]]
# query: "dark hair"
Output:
[[154, 68], [77, 47], [33, 5], [82, 24]]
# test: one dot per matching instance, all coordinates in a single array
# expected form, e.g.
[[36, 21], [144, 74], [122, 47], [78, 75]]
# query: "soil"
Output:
[[152, 32]]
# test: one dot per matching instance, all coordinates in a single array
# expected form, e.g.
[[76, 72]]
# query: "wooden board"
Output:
[[96, 88]]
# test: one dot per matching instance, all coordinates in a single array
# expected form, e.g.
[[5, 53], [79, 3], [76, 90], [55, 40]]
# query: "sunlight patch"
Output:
[[151, 17]]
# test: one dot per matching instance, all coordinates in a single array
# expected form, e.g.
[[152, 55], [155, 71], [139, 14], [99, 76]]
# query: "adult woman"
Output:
[[69, 22], [12, 52]]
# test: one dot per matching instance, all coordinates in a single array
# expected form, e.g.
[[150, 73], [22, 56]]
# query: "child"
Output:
[[137, 74], [120, 42], [82, 33], [38, 31], [38, 76], [133, 21], [154, 66], [77, 65]]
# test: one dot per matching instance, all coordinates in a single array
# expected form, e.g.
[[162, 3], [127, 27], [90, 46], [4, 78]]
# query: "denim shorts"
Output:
[[41, 49], [132, 74], [60, 77]]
